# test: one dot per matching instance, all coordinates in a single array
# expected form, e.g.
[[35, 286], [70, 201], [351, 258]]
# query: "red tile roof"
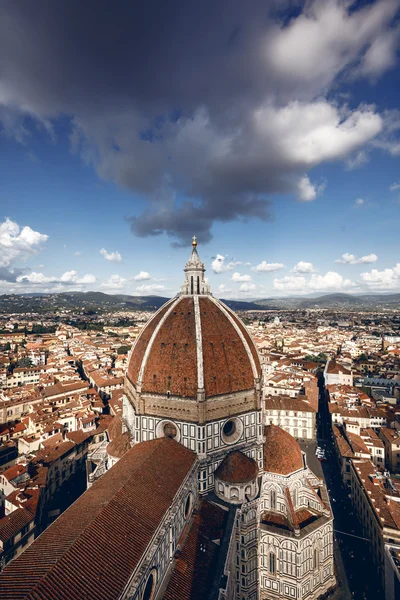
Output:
[[282, 453], [13, 523], [192, 575], [237, 468], [287, 403], [91, 550]]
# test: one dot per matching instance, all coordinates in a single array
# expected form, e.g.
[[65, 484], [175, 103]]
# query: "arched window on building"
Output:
[[316, 559], [191, 285], [272, 563], [273, 499], [198, 284], [234, 493]]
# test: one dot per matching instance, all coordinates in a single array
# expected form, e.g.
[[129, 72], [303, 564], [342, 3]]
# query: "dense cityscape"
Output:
[[331, 378]]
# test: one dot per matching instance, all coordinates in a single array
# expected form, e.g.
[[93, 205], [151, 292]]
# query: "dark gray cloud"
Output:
[[204, 108], [10, 275]]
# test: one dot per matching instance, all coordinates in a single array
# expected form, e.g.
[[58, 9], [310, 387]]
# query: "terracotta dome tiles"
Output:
[[282, 453], [248, 339], [172, 362], [142, 343], [237, 468], [226, 364]]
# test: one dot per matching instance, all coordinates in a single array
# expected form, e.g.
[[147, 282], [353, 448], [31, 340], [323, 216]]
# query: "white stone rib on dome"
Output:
[[199, 344]]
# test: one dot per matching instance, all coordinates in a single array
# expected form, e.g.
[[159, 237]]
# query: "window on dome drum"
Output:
[[170, 430], [232, 430], [273, 499], [229, 428], [149, 589]]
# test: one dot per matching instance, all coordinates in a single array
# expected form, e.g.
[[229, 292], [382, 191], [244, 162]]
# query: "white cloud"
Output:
[[17, 243], [335, 39], [309, 133], [150, 289], [238, 277], [387, 279], [219, 264], [359, 202], [68, 278], [111, 256], [142, 276], [72, 277], [307, 191], [357, 161], [265, 267], [36, 278], [303, 267], [351, 259], [78, 253], [224, 289], [394, 187], [331, 281], [116, 282], [381, 55], [247, 287]]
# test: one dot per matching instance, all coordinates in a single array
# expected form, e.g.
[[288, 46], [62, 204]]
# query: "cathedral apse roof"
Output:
[[282, 453], [237, 468]]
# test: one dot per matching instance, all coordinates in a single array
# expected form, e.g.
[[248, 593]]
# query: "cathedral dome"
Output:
[[282, 453], [194, 345]]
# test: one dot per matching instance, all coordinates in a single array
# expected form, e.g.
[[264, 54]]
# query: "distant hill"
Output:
[[241, 305], [329, 300], [44, 303]]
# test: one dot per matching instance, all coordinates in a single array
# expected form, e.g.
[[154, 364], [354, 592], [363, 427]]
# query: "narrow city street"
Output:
[[355, 571]]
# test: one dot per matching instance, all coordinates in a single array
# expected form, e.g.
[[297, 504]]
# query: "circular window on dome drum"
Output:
[[232, 430], [188, 505], [150, 586], [229, 428], [168, 429]]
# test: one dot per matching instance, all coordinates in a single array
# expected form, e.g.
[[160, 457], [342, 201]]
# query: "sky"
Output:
[[268, 129]]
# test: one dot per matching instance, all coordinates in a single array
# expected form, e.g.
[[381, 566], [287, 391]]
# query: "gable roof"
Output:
[[92, 549]]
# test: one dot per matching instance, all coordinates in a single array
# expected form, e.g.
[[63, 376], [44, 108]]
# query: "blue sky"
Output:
[[281, 156]]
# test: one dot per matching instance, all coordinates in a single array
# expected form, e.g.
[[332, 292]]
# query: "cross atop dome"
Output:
[[195, 283]]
